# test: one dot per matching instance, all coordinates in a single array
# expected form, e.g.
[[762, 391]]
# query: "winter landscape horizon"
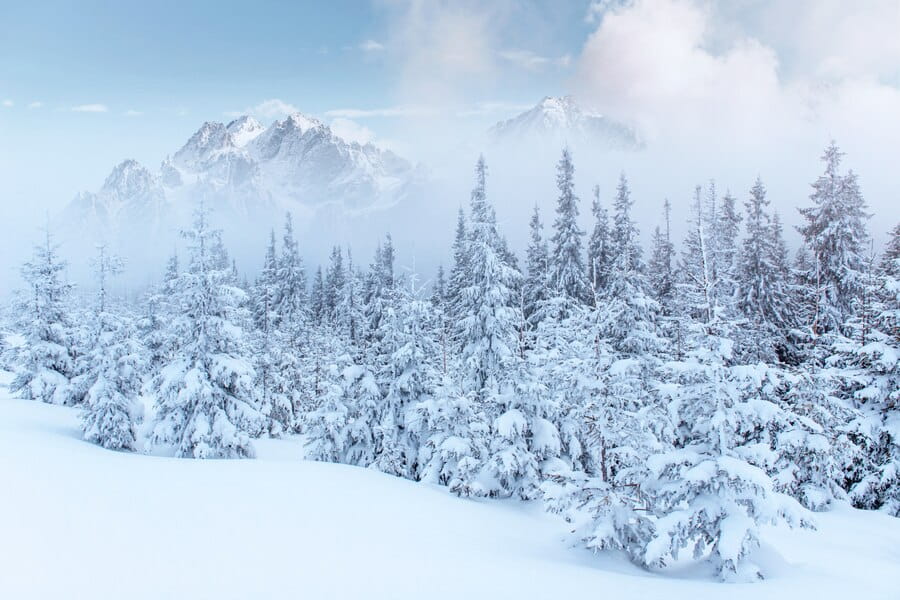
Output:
[[405, 299]]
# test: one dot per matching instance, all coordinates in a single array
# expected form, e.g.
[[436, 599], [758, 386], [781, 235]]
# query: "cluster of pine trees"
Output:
[[663, 402]]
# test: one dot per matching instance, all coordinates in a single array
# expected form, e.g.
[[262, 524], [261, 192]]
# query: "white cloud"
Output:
[[835, 39], [664, 65], [405, 112], [90, 108], [649, 63], [392, 111], [443, 49], [525, 59], [733, 89], [371, 46], [598, 8], [267, 109], [352, 131], [532, 61], [133, 113], [36, 104], [8, 103], [487, 108]]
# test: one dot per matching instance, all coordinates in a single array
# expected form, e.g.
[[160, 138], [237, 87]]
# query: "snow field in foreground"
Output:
[[78, 521]]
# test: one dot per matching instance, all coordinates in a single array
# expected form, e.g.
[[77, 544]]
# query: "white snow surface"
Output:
[[78, 521]]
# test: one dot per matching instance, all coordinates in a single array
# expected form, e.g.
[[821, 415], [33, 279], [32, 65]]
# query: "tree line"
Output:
[[667, 401]]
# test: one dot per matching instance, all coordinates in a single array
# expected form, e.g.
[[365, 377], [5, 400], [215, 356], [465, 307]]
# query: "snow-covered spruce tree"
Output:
[[696, 286], [780, 260], [599, 254], [624, 233], [89, 327], [453, 435], [328, 425], [350, 319], [153, 323], [572, 355], [378, 292], [118, 363], [341, 429], [408, 379], [204, 394], [333, 287], [803, 292], [269, 346], [812, 444], [317, 298], [835, 233], [459, 272], [45, 362], [660, 267], [488, 327], [535, 288], [441, 326], [113, 369], [762, 288], [292, 320], [865, 365], [622, 427], [727, 234], [704, 493], [626, 315], [525, 443], [567, 272], [264, 292], [438, 296], [890, 260], [291, 301]]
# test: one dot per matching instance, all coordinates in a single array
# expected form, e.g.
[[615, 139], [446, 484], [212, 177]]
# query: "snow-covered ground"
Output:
[[78, 521]]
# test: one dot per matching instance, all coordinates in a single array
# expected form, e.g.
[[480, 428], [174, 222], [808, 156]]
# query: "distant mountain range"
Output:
[[250, 174], [248, 170]]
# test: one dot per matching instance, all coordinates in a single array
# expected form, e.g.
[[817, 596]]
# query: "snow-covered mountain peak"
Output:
[[562, 119], [286, 136], [211, 138], [302, 122], [244, 129], [562, 111], [128, 179]]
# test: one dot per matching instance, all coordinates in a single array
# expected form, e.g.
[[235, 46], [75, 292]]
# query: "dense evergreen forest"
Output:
[[666, 399]]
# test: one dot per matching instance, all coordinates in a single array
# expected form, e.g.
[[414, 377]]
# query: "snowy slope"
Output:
[[560, 120], [78, 521]]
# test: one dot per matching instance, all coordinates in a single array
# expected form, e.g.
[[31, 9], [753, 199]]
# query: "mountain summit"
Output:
[[562, 120]]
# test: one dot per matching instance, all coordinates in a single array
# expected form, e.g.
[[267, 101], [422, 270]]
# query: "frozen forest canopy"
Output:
[[665, 400]]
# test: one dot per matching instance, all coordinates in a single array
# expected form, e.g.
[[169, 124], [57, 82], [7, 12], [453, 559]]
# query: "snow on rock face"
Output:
[[209, 139], [246, 169], [562, 119], [129, 192], [244, 129], [128, 180]]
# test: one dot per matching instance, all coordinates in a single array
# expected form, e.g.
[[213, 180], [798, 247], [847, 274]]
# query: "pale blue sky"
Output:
[[101, 81]]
